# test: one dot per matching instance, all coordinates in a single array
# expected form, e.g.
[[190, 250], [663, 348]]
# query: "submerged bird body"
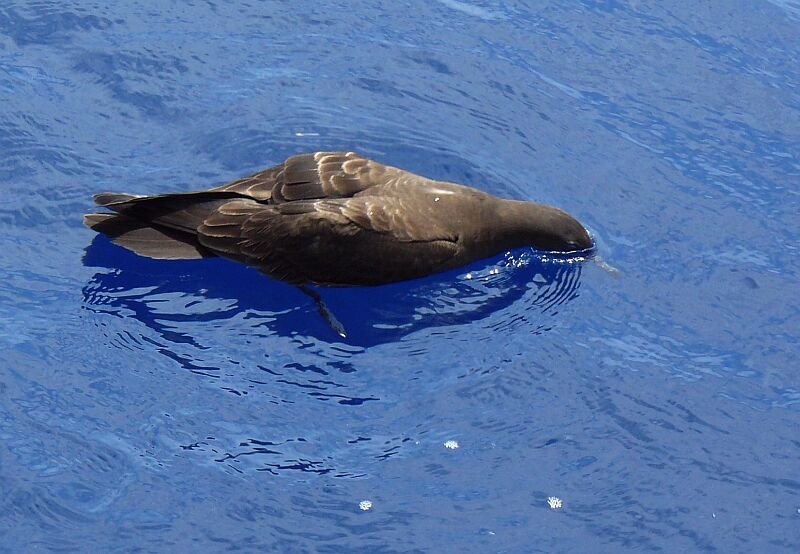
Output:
[[335, 218]]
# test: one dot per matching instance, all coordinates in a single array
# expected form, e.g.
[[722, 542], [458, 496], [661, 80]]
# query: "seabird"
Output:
[[337, 219]]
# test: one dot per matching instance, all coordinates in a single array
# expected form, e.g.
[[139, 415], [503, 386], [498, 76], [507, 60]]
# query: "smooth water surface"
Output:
[[199, 406]]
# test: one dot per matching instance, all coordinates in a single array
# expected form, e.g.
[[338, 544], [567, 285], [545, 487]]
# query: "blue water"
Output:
[[158, 406]]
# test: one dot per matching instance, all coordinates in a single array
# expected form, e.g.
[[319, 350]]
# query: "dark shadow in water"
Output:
[[221, 289]]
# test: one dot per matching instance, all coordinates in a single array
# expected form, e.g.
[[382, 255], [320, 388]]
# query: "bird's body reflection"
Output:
[[173, 297]]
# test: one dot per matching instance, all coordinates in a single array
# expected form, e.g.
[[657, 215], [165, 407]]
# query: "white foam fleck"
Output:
[[554, 502], [472, 10]]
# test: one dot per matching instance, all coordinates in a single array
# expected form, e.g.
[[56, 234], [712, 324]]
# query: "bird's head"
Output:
[[543, 227]]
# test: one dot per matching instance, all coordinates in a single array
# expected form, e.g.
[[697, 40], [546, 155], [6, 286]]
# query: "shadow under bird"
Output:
[[336, 219]]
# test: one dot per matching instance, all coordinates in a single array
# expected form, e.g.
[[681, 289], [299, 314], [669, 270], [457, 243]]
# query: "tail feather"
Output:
[[146, 240], [106, 199], [182, 211], [161, 227]]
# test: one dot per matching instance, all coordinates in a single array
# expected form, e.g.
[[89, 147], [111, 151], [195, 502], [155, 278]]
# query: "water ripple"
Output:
[[46, 22]]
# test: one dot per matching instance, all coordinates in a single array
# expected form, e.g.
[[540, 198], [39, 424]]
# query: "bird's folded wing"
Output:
[[355, 240]]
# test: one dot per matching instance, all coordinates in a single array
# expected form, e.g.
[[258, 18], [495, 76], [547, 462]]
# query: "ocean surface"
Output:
[[199, 406]]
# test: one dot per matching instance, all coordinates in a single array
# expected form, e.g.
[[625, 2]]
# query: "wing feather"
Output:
[[314, 176]]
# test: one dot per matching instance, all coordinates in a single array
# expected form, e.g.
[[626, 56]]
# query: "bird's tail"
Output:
[[161, 227], [147, 240]]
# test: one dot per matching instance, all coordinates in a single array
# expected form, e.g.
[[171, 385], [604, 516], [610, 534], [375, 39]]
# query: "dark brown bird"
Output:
[[335, 218]]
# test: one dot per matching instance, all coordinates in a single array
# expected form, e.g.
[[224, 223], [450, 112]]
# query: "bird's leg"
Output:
[[326, 314]]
